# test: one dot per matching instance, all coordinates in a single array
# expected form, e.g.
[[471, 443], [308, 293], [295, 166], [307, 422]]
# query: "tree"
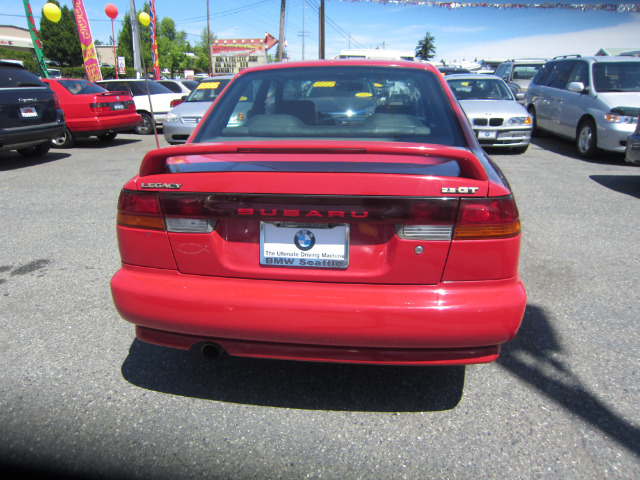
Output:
[[60, 41], [172, 46], [202, 52], [426, 49]]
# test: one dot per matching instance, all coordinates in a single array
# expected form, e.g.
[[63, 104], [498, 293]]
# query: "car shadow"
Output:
[[290, 384], [536, 357], [567, 148], [14, 161], [95, 143], [627, 184]]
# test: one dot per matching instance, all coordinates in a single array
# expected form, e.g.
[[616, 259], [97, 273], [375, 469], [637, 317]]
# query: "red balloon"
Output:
[[111, 10]]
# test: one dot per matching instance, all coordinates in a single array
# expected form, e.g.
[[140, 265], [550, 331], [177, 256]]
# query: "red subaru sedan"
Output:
[[348, 215], [91, 110]]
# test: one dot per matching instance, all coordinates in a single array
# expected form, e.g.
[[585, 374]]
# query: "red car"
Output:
[[91, 110], [349, 216]]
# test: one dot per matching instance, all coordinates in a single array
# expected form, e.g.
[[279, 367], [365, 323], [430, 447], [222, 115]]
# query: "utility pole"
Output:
[[209, 41], [321, 30], [303, 34], [281, 39]]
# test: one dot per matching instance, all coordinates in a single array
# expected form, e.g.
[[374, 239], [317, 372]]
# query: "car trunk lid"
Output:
[[350, 213]]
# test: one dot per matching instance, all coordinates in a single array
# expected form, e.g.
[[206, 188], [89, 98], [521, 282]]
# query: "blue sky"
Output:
[[460, 34]]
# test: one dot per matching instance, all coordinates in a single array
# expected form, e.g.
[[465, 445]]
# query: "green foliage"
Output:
[[201, 62], [28, 58], [73, 72], [426, 48], [172, 47], [60, 40]]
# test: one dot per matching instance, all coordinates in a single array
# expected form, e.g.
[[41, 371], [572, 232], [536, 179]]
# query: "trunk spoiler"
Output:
[[470, 167]]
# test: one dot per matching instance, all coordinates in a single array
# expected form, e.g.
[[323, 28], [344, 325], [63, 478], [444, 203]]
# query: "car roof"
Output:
[[351, 62], [606, 59], [12, 63], [217, 77], [126, 80], [471, 76]]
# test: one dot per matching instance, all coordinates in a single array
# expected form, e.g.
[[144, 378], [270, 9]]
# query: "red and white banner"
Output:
[[91, 64], [619, 7], [154, 40]]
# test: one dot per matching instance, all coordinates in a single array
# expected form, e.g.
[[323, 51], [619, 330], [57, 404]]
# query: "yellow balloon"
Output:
[[52, 12], [144, 18]]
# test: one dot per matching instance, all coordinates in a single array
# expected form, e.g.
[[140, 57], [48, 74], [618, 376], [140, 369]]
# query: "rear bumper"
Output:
[[98, 126], [450, 323], [22, 137]]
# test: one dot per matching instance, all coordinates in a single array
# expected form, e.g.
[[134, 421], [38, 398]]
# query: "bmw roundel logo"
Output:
[[304, 240]]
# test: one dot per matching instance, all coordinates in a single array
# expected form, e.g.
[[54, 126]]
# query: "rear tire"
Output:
[[66, 140], [145, 127], [107, 137], [587, 140], [36, 151]]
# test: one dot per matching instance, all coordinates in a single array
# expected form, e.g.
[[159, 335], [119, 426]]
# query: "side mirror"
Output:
[[577, 87], [519, 96]]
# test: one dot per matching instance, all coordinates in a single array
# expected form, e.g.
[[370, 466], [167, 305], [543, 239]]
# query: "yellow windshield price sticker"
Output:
[[378, 85], [325, 84], [364, 94], [209, 85]]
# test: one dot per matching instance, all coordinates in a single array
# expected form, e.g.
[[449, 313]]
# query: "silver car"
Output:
[[594, 101], [183, 119], [632, 152], [493, 111]]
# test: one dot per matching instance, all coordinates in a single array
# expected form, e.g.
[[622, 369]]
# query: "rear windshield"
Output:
[[190, 84], [207, 91], [617, 77], [334, 102], [480, 89], [80, 87], [11, 77], [140, 88], [433, 166]]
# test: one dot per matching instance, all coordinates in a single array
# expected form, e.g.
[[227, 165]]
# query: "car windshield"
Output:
[[617, 76], [525, 72], [207, 91], [334, 102], [79, 87], [480, 89], [11, 76]]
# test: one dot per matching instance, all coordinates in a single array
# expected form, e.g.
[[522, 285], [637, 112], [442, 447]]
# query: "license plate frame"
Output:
[[304, 245], [487, 134], [28, 112], [118, 106]]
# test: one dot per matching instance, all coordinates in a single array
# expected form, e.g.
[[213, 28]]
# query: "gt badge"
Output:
[[459, 189]]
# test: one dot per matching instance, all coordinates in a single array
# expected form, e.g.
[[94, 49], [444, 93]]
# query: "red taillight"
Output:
[[175, 102], [487, 218], [56, 99], [100, 107], [139, 210]]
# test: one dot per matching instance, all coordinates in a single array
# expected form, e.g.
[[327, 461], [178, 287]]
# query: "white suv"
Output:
[[594, 101], [161, 98]]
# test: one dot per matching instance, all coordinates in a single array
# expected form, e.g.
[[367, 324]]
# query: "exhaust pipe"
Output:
[[211, 351]]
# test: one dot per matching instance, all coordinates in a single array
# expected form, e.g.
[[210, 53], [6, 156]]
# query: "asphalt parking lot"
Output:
[[80, 395]]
